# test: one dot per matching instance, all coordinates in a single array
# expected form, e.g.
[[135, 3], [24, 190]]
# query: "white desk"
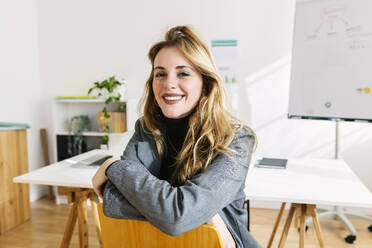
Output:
[[306, 183], [79, 190], [64, 173]]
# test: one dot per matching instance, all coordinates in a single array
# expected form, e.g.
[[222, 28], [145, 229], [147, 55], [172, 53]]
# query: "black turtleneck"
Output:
[[175, 133]]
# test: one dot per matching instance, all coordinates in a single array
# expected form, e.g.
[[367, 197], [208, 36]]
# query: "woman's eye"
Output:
[[183, 74], [160, 74]]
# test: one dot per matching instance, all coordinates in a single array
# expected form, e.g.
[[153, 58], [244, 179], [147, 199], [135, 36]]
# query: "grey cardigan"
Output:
[[135, 192]]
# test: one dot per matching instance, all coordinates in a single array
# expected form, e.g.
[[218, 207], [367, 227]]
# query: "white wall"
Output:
[[266, 32], [20, 87], [82, 41]]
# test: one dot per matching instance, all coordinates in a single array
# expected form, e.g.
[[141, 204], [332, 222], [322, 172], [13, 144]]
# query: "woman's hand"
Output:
[[100, 178], [227, 239]]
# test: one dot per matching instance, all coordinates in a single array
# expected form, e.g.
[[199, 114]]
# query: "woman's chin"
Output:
[[174, 115]]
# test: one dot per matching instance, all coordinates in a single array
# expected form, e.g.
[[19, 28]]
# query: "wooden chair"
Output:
[[120, 233]]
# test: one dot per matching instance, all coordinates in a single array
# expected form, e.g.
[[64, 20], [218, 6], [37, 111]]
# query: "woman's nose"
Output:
[[171, 82]]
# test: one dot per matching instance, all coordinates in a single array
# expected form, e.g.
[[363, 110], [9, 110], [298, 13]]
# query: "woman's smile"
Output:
[[172, 98]]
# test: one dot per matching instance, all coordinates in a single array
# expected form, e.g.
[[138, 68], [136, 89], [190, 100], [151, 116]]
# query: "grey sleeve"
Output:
[[176, 210], [115, 205]]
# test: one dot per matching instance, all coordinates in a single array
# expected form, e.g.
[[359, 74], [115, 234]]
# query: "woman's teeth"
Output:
[[172, 98]]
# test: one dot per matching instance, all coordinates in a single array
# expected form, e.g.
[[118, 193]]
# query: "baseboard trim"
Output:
[[37, 192]]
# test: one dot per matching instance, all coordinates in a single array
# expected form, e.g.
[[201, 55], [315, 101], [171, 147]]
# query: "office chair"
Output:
[[138, 234]]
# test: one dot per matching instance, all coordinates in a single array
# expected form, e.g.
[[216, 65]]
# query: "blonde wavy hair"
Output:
[[211, 126]]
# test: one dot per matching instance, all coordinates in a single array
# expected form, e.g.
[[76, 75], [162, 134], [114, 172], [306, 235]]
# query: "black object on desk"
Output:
[[274, 163]]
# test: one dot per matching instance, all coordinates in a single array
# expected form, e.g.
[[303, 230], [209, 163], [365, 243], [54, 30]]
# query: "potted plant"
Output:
[[109, 89]]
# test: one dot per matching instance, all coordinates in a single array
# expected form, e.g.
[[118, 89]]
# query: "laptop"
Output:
[[94, 160]]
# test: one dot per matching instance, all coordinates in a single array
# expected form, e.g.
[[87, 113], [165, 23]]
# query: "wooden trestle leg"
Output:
[[79, 213], [300, 212]]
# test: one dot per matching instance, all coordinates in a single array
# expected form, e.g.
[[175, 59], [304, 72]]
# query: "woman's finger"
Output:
[[99, 179], [94, 186], [97, 191]]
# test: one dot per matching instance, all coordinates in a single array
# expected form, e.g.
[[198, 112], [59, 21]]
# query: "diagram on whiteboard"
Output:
[[331, 19], [334, 21], [331, 60]]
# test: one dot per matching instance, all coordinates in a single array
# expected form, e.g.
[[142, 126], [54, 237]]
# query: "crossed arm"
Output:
[[134, 192]]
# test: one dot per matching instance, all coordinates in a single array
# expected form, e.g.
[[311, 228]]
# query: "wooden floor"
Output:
[[47, 223]]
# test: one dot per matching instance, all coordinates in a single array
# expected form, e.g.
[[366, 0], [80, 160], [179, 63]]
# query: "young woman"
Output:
[[187, 161]]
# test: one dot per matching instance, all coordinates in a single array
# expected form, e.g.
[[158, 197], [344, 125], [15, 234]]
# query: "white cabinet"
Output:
[[64, 110]]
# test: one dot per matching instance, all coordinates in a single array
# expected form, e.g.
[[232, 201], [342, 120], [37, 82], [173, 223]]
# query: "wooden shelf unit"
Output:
[[14, 197], [65, 109]]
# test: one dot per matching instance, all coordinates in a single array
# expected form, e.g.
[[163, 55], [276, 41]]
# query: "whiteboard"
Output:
[[331, 74]]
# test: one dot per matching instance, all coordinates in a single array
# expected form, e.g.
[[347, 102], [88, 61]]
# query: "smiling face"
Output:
[[177, 85]]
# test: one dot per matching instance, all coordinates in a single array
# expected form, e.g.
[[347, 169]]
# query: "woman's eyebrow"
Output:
[[183, 66], [159, 68], [177, 67]]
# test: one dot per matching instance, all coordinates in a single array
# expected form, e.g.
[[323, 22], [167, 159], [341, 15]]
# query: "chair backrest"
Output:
[[120, 233]]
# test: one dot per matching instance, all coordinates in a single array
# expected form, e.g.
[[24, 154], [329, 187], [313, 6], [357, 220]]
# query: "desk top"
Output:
[[310, 181], [64, 173]]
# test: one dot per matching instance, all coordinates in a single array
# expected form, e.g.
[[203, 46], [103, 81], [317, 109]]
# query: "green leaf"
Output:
[[105, 138], [122, 107], [106, 128], [108, 100], [106, 115]]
